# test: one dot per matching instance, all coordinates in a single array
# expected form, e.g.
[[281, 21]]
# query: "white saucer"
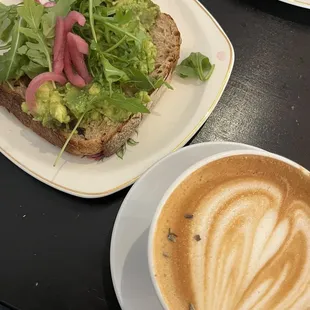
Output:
[[301, 3], [129, 264]]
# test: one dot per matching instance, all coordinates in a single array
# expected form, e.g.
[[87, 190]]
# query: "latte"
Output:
[[235, 234]]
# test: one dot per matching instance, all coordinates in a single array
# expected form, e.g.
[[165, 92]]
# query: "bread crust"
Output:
[[167, 39]]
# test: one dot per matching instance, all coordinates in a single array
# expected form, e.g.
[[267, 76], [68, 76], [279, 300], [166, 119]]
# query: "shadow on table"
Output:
[[6, 306], [280, 9]]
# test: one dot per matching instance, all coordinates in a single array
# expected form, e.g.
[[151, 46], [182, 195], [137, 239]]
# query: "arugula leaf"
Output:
[[122, 17], [91, 20], [111, 73], [196, 66], [4, 47], [22, 50], [10, 61], [144, 82], [121, 152], [5, 29], [36, 52], [33, 46], [37, 57], [132, 142], [98, 2], [48, 25], [62, 8], [140, 80], [32, 14], [3, 9], [132, 105], [115, 27], [8, 17], [160, 82], [32, 69]]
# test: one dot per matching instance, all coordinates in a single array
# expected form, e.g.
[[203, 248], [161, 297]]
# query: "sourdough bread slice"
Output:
[[105, 137]]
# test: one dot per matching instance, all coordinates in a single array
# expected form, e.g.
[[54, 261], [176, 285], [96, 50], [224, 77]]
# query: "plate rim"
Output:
[[301, 4], [90, 195], [129, 194]]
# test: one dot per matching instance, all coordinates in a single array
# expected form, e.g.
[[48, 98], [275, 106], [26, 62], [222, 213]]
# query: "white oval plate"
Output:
[[128, 257], [174, 120], [301, 3]]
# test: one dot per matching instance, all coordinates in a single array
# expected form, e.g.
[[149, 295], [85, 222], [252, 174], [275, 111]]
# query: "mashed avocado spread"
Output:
[[122, 58], [146, 10], [50, 108], [59, 107]]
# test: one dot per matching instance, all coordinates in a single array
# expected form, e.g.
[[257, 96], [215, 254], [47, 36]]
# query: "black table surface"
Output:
[[55, 248]]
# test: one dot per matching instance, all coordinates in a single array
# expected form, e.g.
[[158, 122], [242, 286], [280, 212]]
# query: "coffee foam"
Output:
[[254, 225]]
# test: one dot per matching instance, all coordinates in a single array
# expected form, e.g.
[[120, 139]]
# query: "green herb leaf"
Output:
[[132, 142], [48, 25], [10, 61], [111, 73], [37, 57], [29, 33], [132, 105], [3, 9], [160, 82], [8, 18], [145, 82], [4, 47], [62, 8], [32, 69], [5, 29], [37, 52], [121, 152], [196, 66], [122, 17], [32, 14], [91, 20], [114, 27], [140, 80], [23, 50], [33, 46]]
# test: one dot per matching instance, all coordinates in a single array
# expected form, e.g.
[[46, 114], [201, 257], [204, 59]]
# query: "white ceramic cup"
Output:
[[179, 180]]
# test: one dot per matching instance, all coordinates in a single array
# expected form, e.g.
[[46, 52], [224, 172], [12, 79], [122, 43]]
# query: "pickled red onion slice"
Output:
[[39, 81], [74, 78], [72, 18], [59, 46]]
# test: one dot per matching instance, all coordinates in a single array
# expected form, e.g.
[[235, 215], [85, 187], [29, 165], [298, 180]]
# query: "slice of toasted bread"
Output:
[[105, 137]]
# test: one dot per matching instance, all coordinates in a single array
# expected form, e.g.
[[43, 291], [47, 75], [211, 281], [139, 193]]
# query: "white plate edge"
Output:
[[298, 3]]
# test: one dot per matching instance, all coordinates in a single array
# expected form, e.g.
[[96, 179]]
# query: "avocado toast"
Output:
[[133, 50]]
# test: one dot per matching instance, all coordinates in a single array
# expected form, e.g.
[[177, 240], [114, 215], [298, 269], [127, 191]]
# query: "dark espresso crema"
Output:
[[235, 235]]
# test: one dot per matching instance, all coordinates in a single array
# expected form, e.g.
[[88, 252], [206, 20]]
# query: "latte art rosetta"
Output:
[[253, 221], [256, 250]]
